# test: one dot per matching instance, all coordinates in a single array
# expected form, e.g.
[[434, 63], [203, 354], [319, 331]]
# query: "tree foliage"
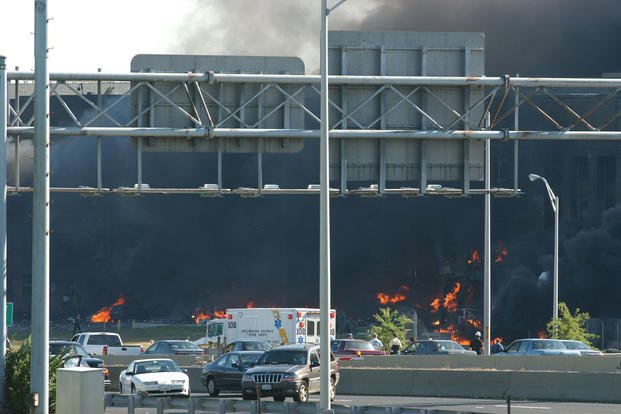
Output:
[[389, 322], [570, 326], [17, 379]]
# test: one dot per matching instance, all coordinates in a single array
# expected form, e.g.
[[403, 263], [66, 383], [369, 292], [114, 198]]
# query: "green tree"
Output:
[[17, 377], [568, 326], [389, 322]]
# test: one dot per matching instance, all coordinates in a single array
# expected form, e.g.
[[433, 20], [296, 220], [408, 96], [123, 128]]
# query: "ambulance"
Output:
[[274, 325]]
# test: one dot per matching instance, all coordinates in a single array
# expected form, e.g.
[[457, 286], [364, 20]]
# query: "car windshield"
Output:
[[257, 346], [61, 348], [287, 357], [110, 340], [449, 345], [145, 367], [358, 345], [548, 344], [575, 345], [249, 360], [183, 345]]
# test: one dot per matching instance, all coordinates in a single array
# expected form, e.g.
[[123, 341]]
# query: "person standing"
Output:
[[477, 344], [394, 345], [497, 347], [377, 344], [76, 324]]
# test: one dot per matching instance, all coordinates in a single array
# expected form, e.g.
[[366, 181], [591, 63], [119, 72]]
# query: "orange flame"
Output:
[[103, 314], [250, 305], [384, 298], [200, 315], [450, 300], [503, 252], [541, 334], [436, 323], [474, 257], [435, 305], [474, 323]]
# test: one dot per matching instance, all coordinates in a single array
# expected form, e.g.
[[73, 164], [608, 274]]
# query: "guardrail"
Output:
[[225, 406]]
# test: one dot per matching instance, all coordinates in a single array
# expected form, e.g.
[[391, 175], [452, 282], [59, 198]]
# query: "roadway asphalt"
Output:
[[449, 404]]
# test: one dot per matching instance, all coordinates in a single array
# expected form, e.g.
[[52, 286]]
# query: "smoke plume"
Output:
[[270, 27]]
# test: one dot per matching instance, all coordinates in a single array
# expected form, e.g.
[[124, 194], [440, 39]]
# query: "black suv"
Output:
[[288, 371]]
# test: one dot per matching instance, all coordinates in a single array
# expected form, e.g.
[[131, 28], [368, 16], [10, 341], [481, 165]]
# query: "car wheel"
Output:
[[212, 390], [332, 389], [302, 394], [279, 397]]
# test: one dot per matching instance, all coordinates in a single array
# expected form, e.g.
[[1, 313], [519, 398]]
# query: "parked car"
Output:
[[345, 349], [225, 373], [581, 347], [74, 349], [288, 371], [436, 347], [154, 377], [538, 347], [247, 345], [174, 347], [105, 343]]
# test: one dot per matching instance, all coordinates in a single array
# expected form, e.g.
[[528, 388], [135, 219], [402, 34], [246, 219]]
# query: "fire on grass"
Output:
[[103, 314]]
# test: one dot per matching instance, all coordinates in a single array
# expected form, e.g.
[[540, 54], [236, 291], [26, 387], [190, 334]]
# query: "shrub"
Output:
[[17, 379]]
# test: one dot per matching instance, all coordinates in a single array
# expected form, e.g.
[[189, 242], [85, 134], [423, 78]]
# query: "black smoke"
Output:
[[170, 255]]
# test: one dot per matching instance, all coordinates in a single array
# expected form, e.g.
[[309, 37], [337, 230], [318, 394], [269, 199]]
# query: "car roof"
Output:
[[172, 340], [58, 341], [295, 347], [151, 359], [349, 340], [245, 352], [247, 340]]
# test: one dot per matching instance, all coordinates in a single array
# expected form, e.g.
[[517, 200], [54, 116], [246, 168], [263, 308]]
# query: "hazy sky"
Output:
[[84, 36]]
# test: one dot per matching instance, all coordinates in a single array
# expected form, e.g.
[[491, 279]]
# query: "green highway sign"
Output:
[[9, 314]]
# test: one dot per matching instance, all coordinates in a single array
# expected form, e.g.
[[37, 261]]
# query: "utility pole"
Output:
[[40, 316]]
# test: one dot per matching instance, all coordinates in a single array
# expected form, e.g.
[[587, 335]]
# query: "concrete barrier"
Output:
[[181, 360], [605, 363], [586, 379], [538, 385]]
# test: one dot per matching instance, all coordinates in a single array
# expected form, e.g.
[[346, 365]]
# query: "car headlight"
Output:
[[150, 383], [289, 377], [247, 377]]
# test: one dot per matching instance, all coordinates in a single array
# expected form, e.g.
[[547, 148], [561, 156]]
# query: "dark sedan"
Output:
[[78, 357], [225, 373], [345, 349], [247, 345], [173, 347], [436, 347]]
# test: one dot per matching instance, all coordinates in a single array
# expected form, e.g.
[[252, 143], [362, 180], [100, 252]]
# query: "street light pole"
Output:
[[554, 200]]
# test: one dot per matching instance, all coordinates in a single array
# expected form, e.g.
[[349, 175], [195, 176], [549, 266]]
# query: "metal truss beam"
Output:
[[561, 109]]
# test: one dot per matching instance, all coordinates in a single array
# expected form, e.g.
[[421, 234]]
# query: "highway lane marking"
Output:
[[528, 407]]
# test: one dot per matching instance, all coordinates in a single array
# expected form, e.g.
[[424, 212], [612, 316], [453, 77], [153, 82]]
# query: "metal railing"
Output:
[[195, 405]]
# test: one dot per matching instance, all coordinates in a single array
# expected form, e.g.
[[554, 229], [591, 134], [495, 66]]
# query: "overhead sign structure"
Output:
[[209, 105], [407, 107]]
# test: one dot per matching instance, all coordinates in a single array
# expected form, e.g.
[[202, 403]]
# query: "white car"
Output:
[[148, 377]]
